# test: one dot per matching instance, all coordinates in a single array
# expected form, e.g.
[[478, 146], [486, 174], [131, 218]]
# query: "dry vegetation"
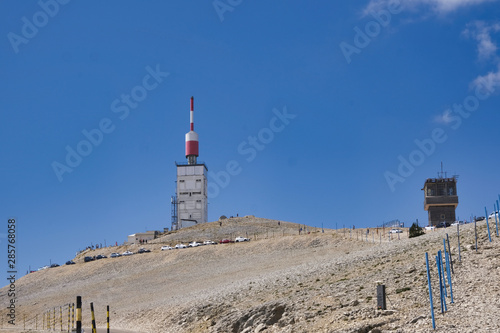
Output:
[[278, 282]]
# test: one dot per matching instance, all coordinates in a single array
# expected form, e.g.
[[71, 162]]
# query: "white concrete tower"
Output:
[[191, 182]]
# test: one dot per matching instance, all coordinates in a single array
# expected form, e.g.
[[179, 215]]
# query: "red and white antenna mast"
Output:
[[192, 143]]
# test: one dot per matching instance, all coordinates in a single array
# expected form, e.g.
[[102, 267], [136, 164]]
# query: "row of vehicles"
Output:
[[207, 242], [143, 250], [115, 255]]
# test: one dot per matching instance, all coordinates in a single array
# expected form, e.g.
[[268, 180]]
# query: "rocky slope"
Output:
[[279, 282]]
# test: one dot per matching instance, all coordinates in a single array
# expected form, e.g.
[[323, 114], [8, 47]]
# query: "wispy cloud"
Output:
[[444, 118], [437, 6], [490, 81], [487, 50], [481, 32]]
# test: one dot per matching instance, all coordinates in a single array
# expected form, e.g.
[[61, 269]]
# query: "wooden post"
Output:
[[93, 317], [72, 315], [60, 317], [54, 319], [78, 314], [69, 317], [107, 319]]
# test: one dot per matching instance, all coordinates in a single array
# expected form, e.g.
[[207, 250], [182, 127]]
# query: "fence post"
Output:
[[54, 319], [60, 317], [107, 319], [72, 315], [430, 290], [78, 314], [93, 317], [69, 317]]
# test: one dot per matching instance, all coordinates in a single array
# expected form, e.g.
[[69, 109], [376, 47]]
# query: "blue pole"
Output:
[[430, 290], [487, 223], [498, 210], [442, 289], [442, 269], [444, 282], [496, 218], [440, 284], [449, 274], [475, 231]]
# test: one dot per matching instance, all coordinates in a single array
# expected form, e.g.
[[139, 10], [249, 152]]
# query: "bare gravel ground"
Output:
[[278, 282]]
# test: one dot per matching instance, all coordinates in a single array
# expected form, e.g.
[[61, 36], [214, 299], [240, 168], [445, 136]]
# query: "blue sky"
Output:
[[335, 112]]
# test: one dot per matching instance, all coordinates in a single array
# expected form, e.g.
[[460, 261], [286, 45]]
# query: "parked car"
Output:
[[241, 239], [395, 231], [127, 253], [115, 255], [480, 218], [194, 244], [54, 265], [209, 242], [225, 241], [180, 246], [87, 259], [166, 247], [100, 256], [143, 250], [492, 215], [430, 227], [44, 267], [70, 262]]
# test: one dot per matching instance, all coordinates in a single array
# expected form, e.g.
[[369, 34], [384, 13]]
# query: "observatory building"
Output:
[[441, 199], [190, 204]]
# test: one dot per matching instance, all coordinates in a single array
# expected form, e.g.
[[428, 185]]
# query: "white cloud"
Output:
[[481, 32], [438, 6], [490, 81], [444, 118]]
